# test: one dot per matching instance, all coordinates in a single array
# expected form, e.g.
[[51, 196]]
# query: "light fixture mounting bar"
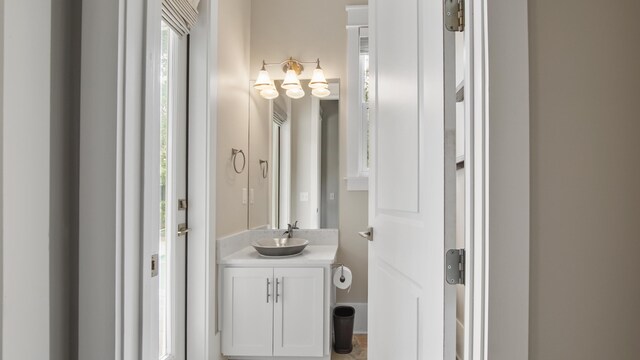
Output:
[[291, 63]]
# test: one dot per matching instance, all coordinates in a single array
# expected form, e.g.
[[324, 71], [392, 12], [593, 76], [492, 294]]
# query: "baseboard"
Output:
[[360, 321]]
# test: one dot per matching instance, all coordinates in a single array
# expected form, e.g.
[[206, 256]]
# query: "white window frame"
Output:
[[363, 163], [357, 172]]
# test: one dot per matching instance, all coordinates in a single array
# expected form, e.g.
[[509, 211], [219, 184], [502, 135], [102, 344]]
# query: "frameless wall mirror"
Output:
[[293, 159]]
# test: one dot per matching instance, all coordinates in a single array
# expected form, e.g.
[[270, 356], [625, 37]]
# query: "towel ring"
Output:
[[234, 155], [265, 168]]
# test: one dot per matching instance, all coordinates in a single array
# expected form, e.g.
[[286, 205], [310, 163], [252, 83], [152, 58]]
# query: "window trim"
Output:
[[357, 173]]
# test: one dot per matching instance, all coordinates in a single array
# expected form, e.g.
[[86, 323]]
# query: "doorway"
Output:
[[173, 204]]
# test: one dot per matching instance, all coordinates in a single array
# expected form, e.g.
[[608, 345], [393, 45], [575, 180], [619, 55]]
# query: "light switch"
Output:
[[252, 197], [244, 196], [332, 196], [304, 196]]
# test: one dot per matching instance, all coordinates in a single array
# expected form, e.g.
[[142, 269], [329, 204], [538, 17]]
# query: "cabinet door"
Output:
[[298, 312], [247, 312]]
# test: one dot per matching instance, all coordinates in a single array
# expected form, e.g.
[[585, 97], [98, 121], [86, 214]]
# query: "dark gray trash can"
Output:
[[343, 317]]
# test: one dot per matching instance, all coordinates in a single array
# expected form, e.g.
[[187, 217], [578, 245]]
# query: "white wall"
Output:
[[25, 171], [585, 206], [320, 32], [233, 112]]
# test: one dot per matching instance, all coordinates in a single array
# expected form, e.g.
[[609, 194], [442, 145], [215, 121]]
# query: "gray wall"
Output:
[[330, 164], [585, 200], [1, 163], [64, 158], [97, 231], [25, 178]]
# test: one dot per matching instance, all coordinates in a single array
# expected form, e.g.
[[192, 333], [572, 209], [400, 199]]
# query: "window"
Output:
[[172, 216], [358, 99], [364, 157], [164, 257]]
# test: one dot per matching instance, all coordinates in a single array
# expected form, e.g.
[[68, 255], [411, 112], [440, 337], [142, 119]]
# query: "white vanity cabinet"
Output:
[[274, 311]]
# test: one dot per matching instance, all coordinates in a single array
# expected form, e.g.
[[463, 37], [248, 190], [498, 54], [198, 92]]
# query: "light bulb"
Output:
[[291, 80], [295, 93], [320, 92], [318, 80], [264, 80], [269, 93]]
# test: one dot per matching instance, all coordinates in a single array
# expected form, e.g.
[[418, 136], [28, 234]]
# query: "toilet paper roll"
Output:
[[339, 281]]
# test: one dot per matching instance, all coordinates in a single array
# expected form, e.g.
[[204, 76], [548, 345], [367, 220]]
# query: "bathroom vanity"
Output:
[[277, 308]]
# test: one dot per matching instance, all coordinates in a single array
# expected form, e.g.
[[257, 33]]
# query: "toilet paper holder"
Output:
[[341, 266]]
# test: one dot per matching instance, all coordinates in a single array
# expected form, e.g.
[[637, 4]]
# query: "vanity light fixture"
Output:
[[295, 93], [264, 81], [292, 69], [320, 92], [291, 80], [270, 92]]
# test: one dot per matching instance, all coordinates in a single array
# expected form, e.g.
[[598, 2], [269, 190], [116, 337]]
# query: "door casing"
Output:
[[495, 101]]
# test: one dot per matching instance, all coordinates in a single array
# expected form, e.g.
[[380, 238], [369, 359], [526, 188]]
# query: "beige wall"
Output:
[[233, 112], [307, 29], [330, 163], [585, 200], [259, 149]]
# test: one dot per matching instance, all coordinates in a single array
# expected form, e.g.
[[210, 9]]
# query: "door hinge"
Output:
[[182, 204], [455, 264], [454, 15]]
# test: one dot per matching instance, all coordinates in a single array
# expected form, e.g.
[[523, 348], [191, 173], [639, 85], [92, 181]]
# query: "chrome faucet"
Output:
[[290, 229]]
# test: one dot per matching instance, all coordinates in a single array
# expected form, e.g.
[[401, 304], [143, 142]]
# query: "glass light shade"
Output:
[[318, 80], [263, 82], [295, 93], [320, 92], [269, 93], [291, 80]]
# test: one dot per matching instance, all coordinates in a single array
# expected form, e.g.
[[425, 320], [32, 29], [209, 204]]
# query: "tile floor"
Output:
[[359, 350]]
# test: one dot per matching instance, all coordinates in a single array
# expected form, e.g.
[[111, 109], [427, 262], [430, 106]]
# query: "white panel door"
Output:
[[298, 312], [247, 319], [412, 181]]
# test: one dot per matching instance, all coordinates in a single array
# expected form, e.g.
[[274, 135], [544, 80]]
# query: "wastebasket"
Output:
[[343, 317]]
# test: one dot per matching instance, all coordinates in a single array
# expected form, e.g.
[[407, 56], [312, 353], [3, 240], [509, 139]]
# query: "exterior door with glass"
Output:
[[173, 196]]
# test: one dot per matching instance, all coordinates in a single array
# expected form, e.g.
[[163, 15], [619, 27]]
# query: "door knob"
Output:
[[183, 229], [367, 234]]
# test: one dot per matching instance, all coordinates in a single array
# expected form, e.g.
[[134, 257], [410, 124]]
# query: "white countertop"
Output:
[[312, 255]]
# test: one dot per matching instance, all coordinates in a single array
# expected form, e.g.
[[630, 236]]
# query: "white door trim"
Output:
[[497, 154], [203, 340], [110, 179]]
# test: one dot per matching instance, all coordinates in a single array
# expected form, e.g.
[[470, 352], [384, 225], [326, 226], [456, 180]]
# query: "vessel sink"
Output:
[[279, 247]]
